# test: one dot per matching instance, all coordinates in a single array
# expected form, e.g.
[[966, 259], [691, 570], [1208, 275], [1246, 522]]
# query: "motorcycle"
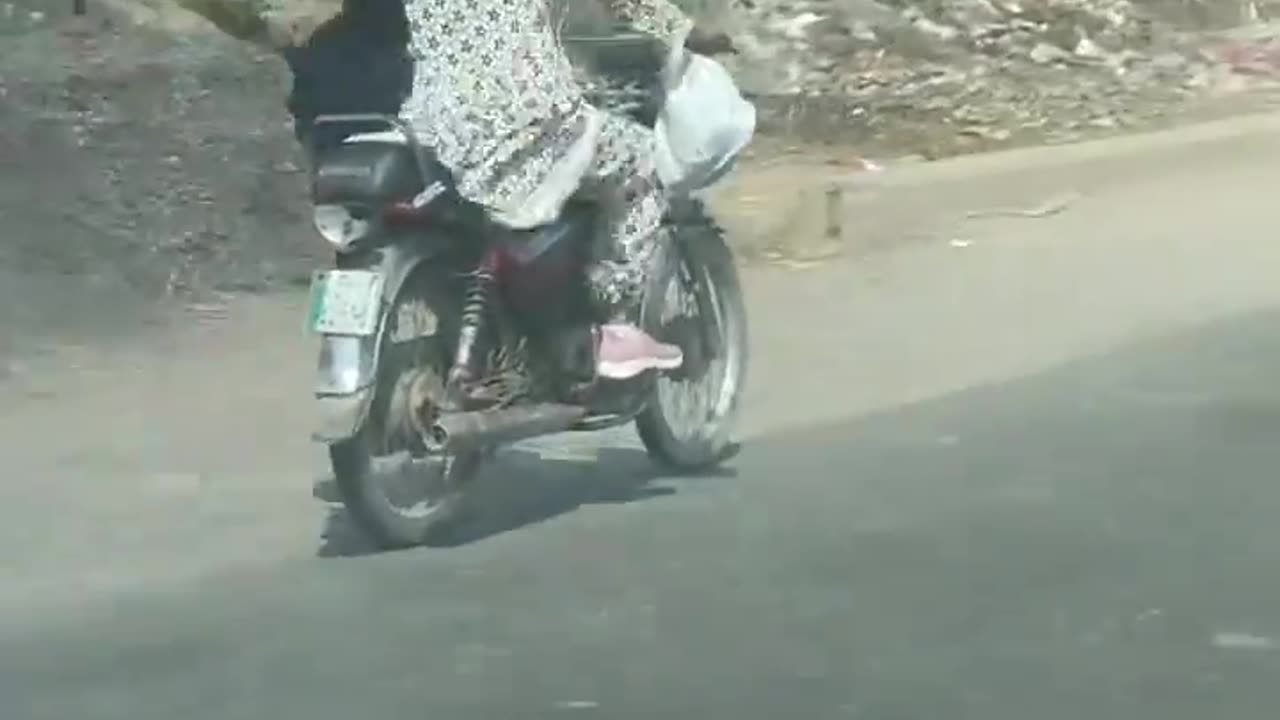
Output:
[[444, 336]]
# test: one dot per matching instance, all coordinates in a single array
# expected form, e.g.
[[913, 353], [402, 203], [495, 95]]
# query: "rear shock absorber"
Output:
[[475, 308]]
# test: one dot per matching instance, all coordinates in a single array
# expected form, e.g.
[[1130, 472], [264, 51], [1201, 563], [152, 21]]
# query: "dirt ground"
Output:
[[139, 165]]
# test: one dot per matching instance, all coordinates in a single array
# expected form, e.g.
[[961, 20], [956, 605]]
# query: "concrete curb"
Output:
[[785, 213], [1126, 147]]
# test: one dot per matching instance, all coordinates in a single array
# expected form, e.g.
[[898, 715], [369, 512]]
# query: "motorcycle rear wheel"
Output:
[[397, 492]]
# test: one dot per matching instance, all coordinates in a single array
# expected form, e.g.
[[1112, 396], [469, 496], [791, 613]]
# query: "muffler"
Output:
[[461, 431]]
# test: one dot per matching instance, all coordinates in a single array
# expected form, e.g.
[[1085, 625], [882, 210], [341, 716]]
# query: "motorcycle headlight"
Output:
[[336, 224]]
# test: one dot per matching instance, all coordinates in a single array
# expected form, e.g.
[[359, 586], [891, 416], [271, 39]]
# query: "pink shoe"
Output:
[[626, 351]]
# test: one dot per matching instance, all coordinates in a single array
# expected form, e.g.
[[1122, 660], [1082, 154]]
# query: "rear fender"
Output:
[[347, 367]]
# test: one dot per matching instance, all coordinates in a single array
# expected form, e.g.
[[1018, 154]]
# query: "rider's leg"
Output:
[[632, 209]]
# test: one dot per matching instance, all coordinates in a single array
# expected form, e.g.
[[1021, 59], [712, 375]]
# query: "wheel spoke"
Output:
[[692, 400]]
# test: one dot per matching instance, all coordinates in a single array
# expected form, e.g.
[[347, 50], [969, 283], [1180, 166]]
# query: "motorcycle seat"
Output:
[[379, 172], [369, 174]]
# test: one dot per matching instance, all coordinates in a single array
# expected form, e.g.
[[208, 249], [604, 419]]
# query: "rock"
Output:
[[988, 133], [1089, 50], [936, 30], [1168, 62], [1044, 53]]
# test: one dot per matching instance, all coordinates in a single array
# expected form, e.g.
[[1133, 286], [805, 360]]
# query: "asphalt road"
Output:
[[1022, 468]]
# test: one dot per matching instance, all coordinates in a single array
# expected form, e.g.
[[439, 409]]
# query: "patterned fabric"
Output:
[[632, 205], [496, 97]]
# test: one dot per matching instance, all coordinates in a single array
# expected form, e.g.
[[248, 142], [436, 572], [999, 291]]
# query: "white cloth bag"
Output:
[[703, 124]]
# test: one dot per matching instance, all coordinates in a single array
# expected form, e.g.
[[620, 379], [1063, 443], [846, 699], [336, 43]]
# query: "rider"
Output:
[[495, 96], [356, 62]]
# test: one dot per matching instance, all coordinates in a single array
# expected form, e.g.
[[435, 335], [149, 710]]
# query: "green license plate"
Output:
[[345, 302]]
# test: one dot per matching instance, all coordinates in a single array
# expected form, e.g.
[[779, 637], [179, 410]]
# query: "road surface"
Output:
[[1017, 468]]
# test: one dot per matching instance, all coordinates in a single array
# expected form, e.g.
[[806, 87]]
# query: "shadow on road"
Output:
[[1094, 540], [522, 488]]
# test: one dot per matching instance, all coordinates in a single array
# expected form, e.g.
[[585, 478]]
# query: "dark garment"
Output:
[[357, 62]]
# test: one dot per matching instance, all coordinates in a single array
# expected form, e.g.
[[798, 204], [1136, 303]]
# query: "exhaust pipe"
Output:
[[460, 431]]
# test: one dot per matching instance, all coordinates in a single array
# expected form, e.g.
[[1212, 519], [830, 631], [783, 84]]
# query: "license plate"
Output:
[[345, 302]]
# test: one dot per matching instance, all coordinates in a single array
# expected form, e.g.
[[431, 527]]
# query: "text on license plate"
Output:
[[345, 302]]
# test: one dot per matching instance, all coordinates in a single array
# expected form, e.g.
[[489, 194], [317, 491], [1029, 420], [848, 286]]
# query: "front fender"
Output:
[[347, 367]]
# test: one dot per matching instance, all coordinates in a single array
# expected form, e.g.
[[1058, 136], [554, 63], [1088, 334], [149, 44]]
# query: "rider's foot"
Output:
[[626, 351]]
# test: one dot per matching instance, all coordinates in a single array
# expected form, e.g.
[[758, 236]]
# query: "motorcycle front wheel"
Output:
[[697, 304]]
